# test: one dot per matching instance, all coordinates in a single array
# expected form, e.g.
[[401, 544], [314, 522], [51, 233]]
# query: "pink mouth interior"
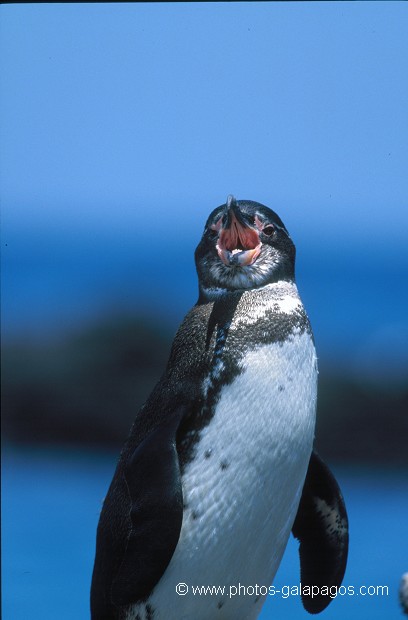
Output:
[[238, 239]]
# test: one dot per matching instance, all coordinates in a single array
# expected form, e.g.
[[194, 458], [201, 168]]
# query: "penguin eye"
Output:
[[268, 230]]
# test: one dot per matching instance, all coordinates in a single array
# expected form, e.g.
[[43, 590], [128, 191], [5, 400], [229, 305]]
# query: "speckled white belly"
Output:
[[242, 490]]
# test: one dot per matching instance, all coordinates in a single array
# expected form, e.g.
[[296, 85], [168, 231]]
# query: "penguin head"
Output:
[[245, 245]]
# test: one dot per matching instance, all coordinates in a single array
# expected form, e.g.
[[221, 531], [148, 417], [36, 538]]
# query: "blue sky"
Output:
[[124, 125]]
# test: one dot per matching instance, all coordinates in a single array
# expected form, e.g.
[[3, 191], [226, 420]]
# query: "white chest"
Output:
[[242, 489]]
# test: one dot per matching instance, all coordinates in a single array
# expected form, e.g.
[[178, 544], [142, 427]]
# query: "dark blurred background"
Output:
[[87, 386], [122, 127]]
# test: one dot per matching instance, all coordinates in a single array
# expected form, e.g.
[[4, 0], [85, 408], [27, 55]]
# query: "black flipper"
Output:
[[153, 481], [321, 526]]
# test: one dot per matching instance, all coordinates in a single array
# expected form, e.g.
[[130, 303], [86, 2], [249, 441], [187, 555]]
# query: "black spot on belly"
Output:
[[281, 388], [208, 453], [195, 515], [220, 604], [224, 465]]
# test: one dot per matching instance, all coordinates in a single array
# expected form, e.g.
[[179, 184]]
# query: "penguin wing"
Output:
[[153, 481], [321, 526]]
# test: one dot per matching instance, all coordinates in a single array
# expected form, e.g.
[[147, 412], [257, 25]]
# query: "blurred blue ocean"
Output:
[[51, 500]]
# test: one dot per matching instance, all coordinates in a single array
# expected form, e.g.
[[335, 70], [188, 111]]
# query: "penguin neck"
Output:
[[212, 294]]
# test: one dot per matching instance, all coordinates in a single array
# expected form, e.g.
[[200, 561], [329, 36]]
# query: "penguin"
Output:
[[219, 466]]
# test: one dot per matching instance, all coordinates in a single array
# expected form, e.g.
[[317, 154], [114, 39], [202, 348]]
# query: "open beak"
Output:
[[238, 243]]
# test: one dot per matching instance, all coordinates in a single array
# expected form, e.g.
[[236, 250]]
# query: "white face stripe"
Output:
[[265, 221]]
